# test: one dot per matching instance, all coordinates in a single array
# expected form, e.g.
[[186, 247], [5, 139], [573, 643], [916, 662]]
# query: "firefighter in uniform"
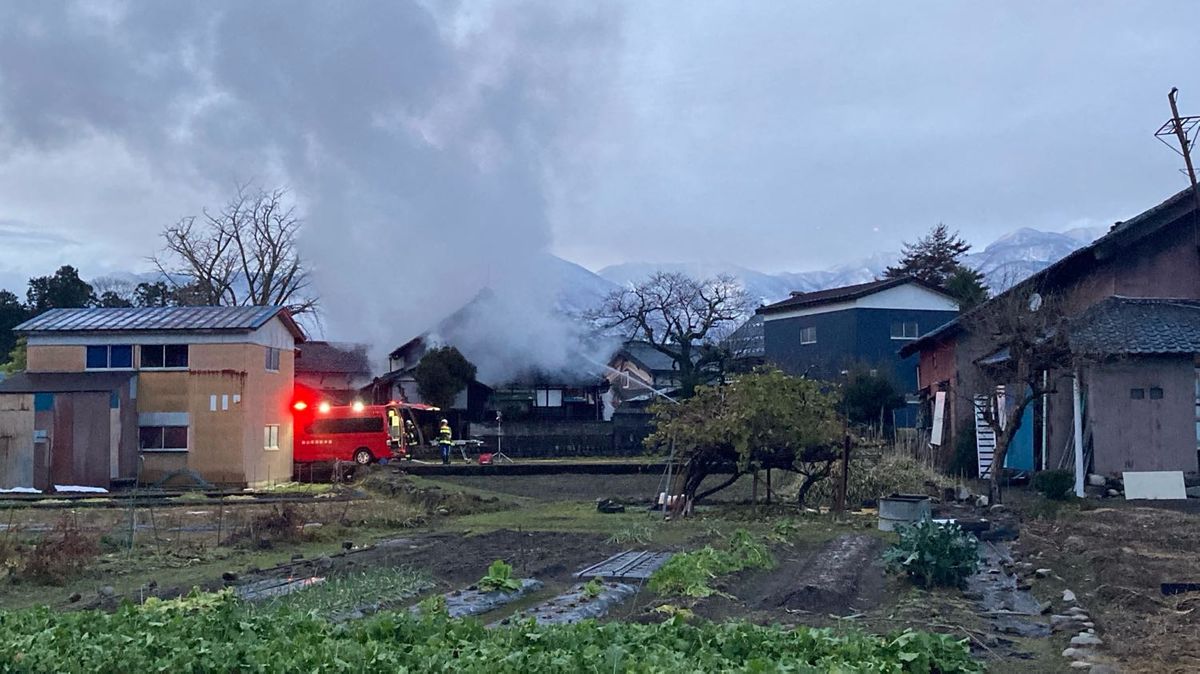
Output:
[[445, 440]]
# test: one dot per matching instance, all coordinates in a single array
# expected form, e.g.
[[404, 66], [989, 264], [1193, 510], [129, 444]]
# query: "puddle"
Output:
[[575, 605]]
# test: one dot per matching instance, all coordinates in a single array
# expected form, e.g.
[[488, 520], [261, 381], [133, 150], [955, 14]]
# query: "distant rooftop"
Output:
[[158, 319], [843, 294], [333, 357], [1125, 325]]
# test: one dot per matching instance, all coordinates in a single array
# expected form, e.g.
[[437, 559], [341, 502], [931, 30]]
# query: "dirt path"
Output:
[[841, 578]]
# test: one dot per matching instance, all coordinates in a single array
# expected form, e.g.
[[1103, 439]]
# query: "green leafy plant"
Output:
[[934, 554], [1056, 485], [689, 574], [499, 578], [339, 594], [593, 588], [221, 635], [784, 531]]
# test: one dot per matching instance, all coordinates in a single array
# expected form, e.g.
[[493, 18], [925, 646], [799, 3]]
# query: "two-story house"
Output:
[[825, 333], [118, 395]]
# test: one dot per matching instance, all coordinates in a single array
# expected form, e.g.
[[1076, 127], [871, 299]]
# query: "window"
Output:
[[272, 359], [808, 335], [904, 330], [1156, 393], [271, 436], [348, 425], [109, 357], [1137, 393], [548, 397], [163, 438], [164, 356]]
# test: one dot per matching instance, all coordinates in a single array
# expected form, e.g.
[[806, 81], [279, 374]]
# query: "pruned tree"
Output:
[[111, 291], [1027, 335], [764, 419], [680, 317], [442, 374], [936, 258], [244, 254]]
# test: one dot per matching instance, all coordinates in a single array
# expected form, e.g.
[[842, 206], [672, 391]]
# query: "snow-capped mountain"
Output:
[[1006, 260]]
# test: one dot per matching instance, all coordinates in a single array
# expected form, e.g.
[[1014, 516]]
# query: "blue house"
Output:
[[824, 333]]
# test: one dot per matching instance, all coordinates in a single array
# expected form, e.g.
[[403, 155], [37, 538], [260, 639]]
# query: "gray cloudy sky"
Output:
[[777, 135]]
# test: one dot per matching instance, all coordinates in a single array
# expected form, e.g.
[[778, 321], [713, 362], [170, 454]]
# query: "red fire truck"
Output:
[[357, 432]]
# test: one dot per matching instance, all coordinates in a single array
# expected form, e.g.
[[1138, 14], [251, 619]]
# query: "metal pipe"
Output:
[[1078, 403]]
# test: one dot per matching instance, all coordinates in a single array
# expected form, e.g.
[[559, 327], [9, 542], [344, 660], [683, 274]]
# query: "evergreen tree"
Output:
[[934, 259], [12, 312], [63, 290], [966, 286], [441, 375]]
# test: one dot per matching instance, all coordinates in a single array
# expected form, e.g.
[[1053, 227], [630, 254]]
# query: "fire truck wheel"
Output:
[[362, 457]]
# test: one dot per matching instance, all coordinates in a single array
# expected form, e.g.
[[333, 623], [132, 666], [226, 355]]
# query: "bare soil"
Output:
[[1114, 555], [812, 585]]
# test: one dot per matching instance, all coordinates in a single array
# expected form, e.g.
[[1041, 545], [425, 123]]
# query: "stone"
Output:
[[998, 508], [1097, 480], [1075, 544], [347, 545], [1088, 624], [229, 576], [75, 596], [1068, 596], [1042, 573], [324, 563], [981, 501], [1044, 607], [1077, 653], [1081, 664], [1057, 620], [1077, 610], [107, 591], [1112, 493], [962, 493], [1086, 639]]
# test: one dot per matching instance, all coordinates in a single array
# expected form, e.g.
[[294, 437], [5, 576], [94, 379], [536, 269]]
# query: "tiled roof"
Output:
[[647, 356], [158, 319], [1123, 325], [843, 294], [1121, 235], [330, 357], [64, 382]]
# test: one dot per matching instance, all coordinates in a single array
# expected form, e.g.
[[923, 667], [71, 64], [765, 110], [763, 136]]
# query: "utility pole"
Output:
[[1181, 128]]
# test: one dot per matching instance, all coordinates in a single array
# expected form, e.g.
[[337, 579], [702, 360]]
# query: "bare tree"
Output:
[[244, 254], [680, 317], [1028, 337]]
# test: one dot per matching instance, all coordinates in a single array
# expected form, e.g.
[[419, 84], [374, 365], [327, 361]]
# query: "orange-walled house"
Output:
[[115, 396]]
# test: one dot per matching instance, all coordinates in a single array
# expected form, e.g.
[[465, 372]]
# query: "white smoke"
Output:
[[418, 138]]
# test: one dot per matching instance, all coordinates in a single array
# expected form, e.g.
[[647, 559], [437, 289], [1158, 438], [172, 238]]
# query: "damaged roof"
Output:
[[332, 357], [1133, 326], [158, 319], [844, 294]]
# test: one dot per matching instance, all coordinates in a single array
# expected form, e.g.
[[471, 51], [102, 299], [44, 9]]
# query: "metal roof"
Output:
[[158, 319]]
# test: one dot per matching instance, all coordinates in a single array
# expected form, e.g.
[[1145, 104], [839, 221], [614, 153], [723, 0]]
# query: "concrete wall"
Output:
[[1143, 434], [16, 440]]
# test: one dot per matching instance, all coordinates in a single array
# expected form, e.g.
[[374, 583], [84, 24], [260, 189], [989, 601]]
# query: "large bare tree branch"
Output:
[[244, 254]]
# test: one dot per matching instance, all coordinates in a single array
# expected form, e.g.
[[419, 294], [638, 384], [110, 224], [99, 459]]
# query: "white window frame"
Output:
[[904, 333], [545, 397], [271, 437], [808, 334]]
